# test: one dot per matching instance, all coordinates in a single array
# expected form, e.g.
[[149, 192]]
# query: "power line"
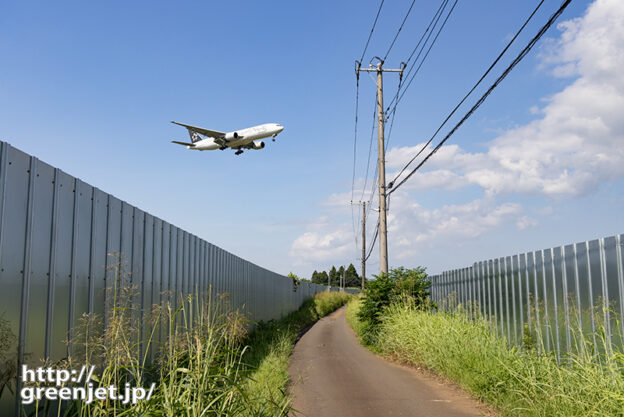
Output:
[[370, 148], [426, 55], [399, 31], [357, 95], [435, 19], [469, 92], [371, 32], [515, 62], [358, 63], [399, 95], [370, 249]]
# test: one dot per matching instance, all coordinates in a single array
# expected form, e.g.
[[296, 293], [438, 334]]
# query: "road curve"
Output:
[[334, 376]]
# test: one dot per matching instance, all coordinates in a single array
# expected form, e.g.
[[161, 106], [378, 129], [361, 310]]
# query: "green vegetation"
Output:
[[7, 358], [352, 279], [271, 345], [209, 366], [399, 284], [518, 382]]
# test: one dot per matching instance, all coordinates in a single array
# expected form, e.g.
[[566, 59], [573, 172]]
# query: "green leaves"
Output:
[[400, 284]]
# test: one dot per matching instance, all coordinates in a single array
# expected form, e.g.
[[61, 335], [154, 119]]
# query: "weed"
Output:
[[589, 382]]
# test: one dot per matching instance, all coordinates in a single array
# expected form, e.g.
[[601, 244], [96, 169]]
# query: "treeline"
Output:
[[351, 277]]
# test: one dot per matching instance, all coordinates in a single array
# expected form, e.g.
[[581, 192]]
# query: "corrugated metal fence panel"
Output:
[[558, 293], [57, 235]]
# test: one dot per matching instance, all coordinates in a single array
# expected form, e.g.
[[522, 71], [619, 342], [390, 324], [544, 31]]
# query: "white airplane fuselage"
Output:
[[240, 138]]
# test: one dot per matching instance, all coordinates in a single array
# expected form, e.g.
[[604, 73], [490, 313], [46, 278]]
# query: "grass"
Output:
[[517, 382], [272, 344], [208, 366], [351, 315]]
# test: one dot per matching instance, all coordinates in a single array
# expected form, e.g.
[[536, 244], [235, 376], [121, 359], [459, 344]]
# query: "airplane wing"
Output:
[[205, 132], [183, 143]]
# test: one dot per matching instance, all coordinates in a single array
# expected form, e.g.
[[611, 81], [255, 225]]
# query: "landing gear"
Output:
[[238, 152], [273, 138], [223, 147]]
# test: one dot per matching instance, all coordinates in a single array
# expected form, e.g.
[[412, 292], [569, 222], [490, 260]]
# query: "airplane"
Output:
[[208, 140]]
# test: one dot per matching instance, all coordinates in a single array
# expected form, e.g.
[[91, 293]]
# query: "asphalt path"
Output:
[[334, 376]]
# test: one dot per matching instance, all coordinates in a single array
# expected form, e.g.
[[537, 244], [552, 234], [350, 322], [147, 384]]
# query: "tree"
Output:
[[295, 280], [412, 282], [316, 278], [333, 277], [339, 276], [352, 279], [323, 277]]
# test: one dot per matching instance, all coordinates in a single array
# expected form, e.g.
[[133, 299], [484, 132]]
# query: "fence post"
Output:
[[566, 307], [620, 278], [605, 293]]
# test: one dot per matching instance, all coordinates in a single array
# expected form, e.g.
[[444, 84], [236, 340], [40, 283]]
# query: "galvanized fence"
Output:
[[63, 243], [560, 296]]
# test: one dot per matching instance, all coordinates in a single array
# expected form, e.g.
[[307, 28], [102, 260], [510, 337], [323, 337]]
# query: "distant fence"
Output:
[[56, 237], [557, 293]]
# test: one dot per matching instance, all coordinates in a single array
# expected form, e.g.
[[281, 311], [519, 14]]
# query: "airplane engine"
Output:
[[232, 136], [257, 145]]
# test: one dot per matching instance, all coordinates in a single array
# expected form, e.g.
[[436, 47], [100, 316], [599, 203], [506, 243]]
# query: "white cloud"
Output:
[[577, 143], [412, 226], [526, 222], [322, 247], [340, 199]]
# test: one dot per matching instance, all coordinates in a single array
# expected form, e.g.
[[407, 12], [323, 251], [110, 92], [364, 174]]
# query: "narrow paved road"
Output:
[[334, 376]]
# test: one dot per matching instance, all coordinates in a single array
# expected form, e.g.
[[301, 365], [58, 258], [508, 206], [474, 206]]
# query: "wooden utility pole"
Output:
[[363, 243], [328, 282], [381, 160]]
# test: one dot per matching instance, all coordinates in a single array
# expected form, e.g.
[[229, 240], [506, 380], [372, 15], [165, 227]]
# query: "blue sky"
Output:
[[91, 87]]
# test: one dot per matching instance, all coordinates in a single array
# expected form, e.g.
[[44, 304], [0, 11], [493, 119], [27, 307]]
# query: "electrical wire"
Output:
[[426, 55], [357, 98], [492, 65], [435, 19], [370, 249], [399, 31], [370, 151], [358, 63], [501, 77], [469, 92], [372, 30], [411, 74], [357, 95]]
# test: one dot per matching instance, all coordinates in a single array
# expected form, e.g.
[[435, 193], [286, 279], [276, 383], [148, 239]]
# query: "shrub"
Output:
[[399, 284], [518, 382]]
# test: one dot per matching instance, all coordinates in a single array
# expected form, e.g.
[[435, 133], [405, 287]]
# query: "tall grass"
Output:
[[208, 365], [197, 371], [518, 382]]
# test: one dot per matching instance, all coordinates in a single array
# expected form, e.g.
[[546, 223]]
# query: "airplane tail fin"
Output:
[[195, 137]]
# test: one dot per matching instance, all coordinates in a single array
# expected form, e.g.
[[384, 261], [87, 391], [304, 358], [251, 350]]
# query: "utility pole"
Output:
[[363, 243], [328, 282], [381, 159]]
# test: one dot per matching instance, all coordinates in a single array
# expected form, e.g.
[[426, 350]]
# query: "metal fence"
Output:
[[562, 296], [57, 235]]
